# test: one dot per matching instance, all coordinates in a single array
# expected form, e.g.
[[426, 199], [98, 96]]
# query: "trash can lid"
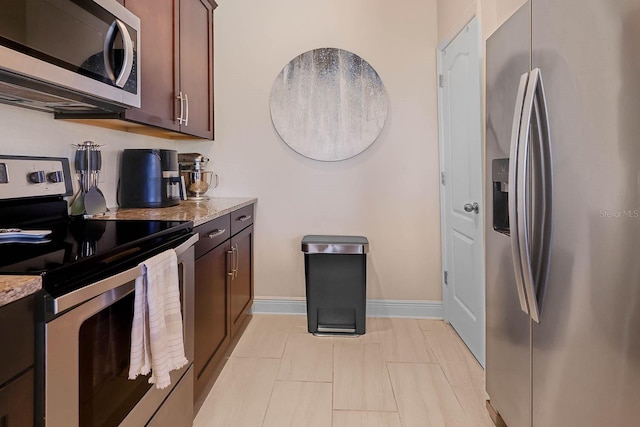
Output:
[[312, 244]]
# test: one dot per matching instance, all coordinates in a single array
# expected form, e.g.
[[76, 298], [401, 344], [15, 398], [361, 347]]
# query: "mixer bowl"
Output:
[[197, 183]]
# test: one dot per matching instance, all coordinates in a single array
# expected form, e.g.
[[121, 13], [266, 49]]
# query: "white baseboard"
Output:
[[375, 307]]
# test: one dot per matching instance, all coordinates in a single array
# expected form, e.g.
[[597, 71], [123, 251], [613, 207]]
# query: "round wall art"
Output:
[[328, 104]]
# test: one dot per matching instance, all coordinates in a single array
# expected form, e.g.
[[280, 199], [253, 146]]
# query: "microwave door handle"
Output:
[[127, 65], [513, 192], [108, 42]]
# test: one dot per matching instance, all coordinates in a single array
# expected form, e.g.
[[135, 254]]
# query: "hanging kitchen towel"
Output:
[[157, 343], [140, 355]]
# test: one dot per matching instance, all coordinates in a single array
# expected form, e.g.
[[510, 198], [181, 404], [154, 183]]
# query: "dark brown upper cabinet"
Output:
[[177, 66]]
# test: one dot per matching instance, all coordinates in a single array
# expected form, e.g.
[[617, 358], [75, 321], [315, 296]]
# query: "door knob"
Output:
[[469, 207]]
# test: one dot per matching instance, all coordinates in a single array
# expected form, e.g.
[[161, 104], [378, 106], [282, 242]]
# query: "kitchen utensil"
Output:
[[94, 202], [88, 161], [77, 206]]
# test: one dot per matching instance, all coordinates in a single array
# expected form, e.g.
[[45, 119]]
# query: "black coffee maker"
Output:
[[149, 178]]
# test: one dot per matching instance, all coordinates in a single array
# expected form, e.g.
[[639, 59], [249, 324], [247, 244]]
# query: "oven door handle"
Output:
[[65, 302], [186, 245]]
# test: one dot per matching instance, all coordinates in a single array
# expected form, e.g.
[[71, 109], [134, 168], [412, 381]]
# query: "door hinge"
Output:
[[443, 178], [441, 80], [446, 277]]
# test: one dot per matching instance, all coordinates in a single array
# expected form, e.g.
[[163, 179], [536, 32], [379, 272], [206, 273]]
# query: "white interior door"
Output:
[[461, 167]]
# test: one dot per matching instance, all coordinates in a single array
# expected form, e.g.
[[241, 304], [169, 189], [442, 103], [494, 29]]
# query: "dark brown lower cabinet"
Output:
[[16, 401], [242, 277], [17, 337], [212, 330], [223, 292]]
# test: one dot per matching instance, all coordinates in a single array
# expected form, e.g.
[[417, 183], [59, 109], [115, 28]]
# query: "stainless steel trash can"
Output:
[[336, 279]]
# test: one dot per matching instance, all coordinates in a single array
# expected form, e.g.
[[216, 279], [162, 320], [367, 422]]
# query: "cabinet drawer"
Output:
[[241, 219], [212, 233]]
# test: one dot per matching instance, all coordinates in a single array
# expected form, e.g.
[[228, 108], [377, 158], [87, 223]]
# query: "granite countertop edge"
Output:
[[13, 288], [199, 212]]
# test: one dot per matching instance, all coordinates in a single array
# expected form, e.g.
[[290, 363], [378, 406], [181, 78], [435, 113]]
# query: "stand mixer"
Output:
[[197, 180]]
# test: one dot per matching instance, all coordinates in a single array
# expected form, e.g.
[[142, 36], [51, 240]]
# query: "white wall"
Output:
[[388, 194], [453, 15], [495, 12], [28, 132]]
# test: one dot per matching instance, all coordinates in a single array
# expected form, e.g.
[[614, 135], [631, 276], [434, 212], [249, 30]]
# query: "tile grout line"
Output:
[[333, 374], [275, 380], [393, 389], [451, 385], [266, 410]]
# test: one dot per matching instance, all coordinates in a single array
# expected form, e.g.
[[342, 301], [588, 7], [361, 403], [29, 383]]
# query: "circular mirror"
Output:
[[328, 104]]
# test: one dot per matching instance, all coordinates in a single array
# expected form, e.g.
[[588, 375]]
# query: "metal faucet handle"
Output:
[[469, 207]]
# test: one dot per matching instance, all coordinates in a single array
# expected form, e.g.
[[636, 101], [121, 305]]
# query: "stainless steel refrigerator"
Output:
[[563, 214]]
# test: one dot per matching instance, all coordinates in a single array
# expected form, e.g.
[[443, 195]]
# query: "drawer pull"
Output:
[[244, 218], [215, 233]]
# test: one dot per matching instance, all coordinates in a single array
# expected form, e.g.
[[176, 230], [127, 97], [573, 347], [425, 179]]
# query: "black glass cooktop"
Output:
[[79, 251]]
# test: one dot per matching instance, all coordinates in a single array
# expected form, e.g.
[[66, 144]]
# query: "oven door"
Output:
[[87, 356]]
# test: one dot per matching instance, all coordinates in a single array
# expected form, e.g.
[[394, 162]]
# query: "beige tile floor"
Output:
[[401, 373]]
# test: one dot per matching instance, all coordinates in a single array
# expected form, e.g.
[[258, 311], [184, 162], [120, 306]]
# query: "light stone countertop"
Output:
[[12, 288], [198, 212]]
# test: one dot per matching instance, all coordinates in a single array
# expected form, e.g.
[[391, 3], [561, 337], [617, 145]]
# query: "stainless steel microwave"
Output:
[[69, 55]]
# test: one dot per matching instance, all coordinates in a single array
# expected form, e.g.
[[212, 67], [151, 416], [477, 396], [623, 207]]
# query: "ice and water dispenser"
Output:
[[500, 179]]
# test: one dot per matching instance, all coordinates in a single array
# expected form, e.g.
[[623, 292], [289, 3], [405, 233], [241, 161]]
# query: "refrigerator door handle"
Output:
[[546, 211], [534, 101], [513, 180]]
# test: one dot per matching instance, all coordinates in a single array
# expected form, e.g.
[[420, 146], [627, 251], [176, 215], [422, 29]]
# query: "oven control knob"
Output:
[[56, 176], [36, 177]]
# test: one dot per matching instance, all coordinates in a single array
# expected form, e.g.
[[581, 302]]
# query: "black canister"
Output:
[[149, 178]]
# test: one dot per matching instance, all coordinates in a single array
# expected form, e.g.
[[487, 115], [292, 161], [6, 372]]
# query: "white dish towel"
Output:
[[157, 344]]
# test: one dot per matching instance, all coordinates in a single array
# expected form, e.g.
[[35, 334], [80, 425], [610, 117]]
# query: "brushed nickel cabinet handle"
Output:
[[230, 259], [215, 233], [186, 114], [244, 218], [234, 261], [180, 118]]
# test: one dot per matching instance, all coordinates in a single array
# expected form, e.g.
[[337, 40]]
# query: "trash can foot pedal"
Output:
[[334, 330], [337, 335]]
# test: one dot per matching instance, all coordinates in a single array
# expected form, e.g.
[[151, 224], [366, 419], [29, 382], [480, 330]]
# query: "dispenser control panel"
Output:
[[500, 179]]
